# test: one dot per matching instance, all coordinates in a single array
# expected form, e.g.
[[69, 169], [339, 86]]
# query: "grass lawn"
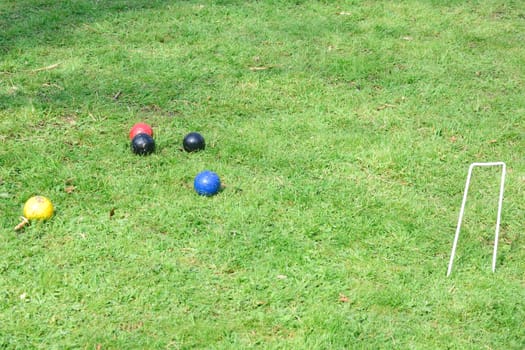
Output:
[[342, 131]]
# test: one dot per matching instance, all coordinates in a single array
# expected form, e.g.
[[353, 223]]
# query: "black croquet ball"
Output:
[[143, 144], [193, 142]]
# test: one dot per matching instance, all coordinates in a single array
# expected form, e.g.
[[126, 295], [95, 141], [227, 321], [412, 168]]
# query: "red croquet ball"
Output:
[[140, 128]]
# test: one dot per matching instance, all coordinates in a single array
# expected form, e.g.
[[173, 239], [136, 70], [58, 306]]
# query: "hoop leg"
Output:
[[460, 219], [498, 220]]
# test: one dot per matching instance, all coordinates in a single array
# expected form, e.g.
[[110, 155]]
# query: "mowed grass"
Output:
[[342, 132]]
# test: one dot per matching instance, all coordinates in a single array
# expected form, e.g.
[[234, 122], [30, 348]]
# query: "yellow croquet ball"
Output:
[[38, 208]]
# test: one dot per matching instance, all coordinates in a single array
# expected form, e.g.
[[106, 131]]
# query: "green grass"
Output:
[[342, 131]]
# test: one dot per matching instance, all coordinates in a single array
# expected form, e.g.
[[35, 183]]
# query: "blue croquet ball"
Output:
[[207, 183], [143, 144], [193, 142]]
